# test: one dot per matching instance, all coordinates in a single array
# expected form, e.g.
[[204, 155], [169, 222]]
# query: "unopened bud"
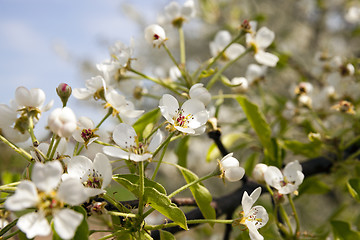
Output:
[[64, 92], [258, 172]]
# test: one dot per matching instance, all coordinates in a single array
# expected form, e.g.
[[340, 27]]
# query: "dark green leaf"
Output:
[[261, 127], [250, 163], [131, 183], [353, 186], [163, 204], [202, 196], [8, 227], [311, 149], [164, 235], [343, 231], [313, 185]]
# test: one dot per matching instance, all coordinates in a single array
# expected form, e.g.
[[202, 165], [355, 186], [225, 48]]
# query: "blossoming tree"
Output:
[[269, 147]]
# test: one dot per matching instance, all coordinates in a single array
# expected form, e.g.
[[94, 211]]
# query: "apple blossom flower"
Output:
[[305, 101], [121, 106], [231, 169], [130, 147], [303, 88], [255, 72], [155, 35], [197, 91], [286, 182], [344, 107], [253, 217], [62, 121], [259, 172], [14, 121], [95, 88], [259, 41], [174, 73], [39, 153], [121, 53], [85, 131], [177, 14], [190, 118], [94, 175], [48, 194], [222, 39]]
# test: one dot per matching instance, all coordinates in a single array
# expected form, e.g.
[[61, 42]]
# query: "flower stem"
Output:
[[119, 206], [285, 216], [164, 144], [121, 214], [31, 131], [155, 81], [53, 150], [20, 151], [237, 38], [51, 145], [215, 173], [141, 188], [182, 46], [297, 230], [105, 117], [218, 73]]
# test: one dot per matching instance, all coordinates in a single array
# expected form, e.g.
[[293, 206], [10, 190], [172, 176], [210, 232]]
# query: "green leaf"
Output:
[[164, 235], [131, 183], [82, 231], [261, 127], [202, 196], [8, 227], [163, 204], [146, 120], [353, 186], [311, 149], [154, 195], [313, 185], [181, 151], [343, 231]]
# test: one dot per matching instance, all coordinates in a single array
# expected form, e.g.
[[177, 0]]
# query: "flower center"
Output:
[[181, 120], [48, 202], [94, 179], [87, 134]]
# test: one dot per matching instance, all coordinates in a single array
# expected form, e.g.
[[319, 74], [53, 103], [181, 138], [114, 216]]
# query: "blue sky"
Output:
[[32, 33]]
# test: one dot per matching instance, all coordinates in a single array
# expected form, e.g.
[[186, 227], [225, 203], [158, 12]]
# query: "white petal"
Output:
[[188, 9], [114, 98], [291, 170], [197, 91], [273, 177], [47, 176], [103, 166], [78, 166], [156, 141], [25, 196], [246, 203], [115, 152], [172, 10], [34, 224], [155, 34], [264, 37], [72, 192], [255, 194], [254, 72], [124, 135], [229, 162], [185, 130], [266, 58], [192, 106], [168, 106], [140, 158], [22, 96], [261, 216], [66, 222], [234, 51], [8, 115], [222, 39], [82, 93], [253, 232], [234, 174], [37, 98]]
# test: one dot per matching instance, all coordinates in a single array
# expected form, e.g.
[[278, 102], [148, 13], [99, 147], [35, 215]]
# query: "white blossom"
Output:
[[190, 118], [155, 35], [253, 217], [258, 172], [94, 175], [222, 39], [240, 84], [231, 168], [130, 147], [48, 194], [94, 88], [177, 14], [62, 121], [259, 41], [286, 182], [353, 15]]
